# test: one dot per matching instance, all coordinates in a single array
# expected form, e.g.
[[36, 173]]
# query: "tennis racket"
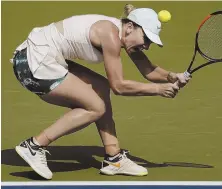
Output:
[[208, 42]]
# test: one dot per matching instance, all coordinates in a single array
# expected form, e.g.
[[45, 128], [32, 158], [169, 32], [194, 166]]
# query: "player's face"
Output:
[[135, 39]]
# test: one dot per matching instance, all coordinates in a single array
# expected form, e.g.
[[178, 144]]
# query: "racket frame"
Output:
[[189, 71]]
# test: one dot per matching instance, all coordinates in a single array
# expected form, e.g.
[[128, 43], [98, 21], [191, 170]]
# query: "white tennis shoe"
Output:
[[122, 165], [35, 156]]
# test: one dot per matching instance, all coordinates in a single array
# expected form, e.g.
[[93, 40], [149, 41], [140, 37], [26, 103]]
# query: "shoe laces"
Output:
[[124, 153], [128, 161], [42, 155]]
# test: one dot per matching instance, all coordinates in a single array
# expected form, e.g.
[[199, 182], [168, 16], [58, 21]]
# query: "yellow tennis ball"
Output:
[[164, 16]]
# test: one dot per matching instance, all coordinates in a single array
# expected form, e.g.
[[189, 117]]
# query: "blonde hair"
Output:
[[127, 9]]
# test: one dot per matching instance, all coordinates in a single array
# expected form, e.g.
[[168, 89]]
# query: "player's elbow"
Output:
[[117, 91], [117, 88]]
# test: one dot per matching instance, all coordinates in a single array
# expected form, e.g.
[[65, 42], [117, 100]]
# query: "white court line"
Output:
[[113, 183]]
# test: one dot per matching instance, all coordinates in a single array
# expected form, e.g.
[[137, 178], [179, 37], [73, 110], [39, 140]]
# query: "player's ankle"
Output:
[[113, 157], [34, 141], [112, 150]]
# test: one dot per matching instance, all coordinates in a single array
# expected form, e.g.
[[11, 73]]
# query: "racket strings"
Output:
[[210, 37]]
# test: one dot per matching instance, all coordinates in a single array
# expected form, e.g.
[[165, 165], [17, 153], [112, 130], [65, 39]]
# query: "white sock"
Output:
[[35, 141]]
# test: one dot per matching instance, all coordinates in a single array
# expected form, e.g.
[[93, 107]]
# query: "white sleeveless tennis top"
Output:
[[47, 49]]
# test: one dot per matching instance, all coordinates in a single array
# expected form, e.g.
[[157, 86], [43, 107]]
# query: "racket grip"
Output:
[[187, 74]]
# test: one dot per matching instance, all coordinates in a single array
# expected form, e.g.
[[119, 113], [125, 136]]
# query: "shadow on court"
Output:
[[73, 158]]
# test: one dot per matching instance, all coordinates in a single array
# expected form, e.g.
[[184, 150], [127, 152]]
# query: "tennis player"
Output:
[[42, 64]]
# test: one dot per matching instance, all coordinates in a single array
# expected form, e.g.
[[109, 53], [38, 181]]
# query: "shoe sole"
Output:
[[124, 173], [27, 160]]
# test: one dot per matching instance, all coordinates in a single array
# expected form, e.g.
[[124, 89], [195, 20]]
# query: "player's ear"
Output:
[[130, 28]]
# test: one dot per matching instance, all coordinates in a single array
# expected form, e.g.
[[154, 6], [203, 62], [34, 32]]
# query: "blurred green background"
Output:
[[185, 131]]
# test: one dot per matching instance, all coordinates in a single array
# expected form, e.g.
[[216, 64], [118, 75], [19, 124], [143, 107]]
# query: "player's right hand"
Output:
[[182, 80], [168, 90]]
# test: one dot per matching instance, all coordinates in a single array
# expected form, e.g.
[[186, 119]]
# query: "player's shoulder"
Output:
[[106, 27], [106, 31]]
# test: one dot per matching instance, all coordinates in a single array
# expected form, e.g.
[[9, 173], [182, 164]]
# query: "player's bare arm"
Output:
[[111, 47], [150, 71], [155, 73]]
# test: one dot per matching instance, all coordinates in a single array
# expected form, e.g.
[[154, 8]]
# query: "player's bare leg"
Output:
[[72, 92], [115, 161]]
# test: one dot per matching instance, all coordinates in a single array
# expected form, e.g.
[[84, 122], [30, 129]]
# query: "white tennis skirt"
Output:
[[44, 59]]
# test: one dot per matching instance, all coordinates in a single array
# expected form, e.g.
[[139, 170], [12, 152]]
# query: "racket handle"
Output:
[[187, 74]]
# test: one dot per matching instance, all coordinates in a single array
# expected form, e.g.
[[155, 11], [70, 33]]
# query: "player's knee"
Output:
[[98, 110], [101, 109]]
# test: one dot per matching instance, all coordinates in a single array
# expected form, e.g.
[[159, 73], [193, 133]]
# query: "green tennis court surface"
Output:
[[177, 139]]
